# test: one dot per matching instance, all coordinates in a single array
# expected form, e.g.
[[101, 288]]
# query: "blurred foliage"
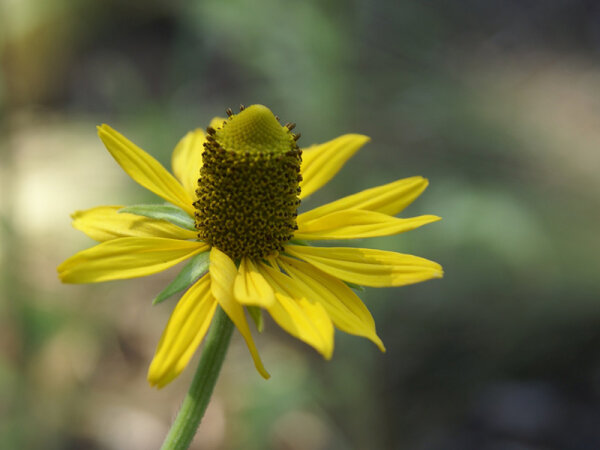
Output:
[[495, 102]]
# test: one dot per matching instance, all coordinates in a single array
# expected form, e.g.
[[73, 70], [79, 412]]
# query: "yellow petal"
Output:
[[104, 223], [186, 160], [144, 169], [250, 287], [304, 319], [184, 332], [127, 257], [223, 273], [356, 224], [368, 267], [389, 198], [346, 310], [321, 162]]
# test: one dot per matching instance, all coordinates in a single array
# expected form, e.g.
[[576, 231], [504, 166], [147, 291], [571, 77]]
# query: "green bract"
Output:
[[197, 266], [170, 213]]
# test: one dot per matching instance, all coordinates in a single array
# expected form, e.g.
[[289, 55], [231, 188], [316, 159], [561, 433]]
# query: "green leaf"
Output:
[[256, 315], [188, 275], [170, 213]]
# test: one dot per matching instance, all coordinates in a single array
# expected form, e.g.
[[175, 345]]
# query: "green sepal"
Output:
[[299, 242], [197, 266], [356, 287], [256, 315], [170, 213]]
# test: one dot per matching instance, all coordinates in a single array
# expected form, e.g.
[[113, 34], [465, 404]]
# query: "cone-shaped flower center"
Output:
[[248, 187]]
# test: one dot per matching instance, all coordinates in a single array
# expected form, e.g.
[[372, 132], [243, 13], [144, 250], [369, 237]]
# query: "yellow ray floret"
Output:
[[321, 162], [186, 160], [104, 223], [222, 274], [127, 257], [357, 224], [303, 319], [184, 332], [144, 169], [389, 199], [343, 306], [368, 267], [250, 287]]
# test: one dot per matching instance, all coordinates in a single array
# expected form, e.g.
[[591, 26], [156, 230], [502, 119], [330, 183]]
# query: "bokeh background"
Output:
[[496, 102]]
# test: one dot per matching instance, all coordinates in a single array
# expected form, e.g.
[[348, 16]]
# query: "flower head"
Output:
[[232, 211], [248, 189]]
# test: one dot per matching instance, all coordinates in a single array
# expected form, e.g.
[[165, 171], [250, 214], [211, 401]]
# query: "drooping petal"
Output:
[[223, 272], [144, 169], [186, 160], [127, 257], [104, 223], [389, 198], [304, 319], [250, 287], [368, 267], [321, 162], [356, 224], [185, 330], [345, 308]]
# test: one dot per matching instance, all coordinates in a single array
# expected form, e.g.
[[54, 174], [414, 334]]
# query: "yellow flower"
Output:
[[233, 203]]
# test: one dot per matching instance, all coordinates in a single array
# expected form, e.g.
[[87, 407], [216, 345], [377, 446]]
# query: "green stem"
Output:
[[186, 423]]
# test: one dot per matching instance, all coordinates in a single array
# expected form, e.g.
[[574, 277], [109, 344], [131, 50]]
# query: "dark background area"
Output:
[[495, 102]]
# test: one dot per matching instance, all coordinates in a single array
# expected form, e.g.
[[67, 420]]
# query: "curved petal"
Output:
[[368, 267], [127, 257], [304, 319], [185, 330], [186, 160], [104, 223], [223, 273], [356, 224], [346, 310], [250, 287], [389, 198], [144, 169], [321, 162]]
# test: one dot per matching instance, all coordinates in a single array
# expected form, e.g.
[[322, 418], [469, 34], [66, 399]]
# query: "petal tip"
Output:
[[62, 272], [420, 182], [379, 343], [433, 218], [360, 139], [263, 373], [156, 383]]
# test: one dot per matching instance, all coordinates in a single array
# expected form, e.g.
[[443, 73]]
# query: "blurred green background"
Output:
[[496, 102]]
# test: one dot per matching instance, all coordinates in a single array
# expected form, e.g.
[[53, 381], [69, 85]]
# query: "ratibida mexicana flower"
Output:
[[232, 212]]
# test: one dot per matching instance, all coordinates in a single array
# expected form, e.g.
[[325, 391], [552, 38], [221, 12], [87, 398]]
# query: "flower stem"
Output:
[[192, 410]]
